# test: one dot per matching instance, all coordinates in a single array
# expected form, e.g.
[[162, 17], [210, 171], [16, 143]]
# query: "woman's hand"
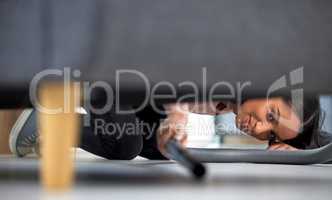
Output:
[[173, 127], [279, 146]]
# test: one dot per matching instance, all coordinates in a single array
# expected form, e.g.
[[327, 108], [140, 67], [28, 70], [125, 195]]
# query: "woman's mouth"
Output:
[[246, 129], [245, 124]]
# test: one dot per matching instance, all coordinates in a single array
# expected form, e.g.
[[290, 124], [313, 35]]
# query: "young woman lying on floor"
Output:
[[275, 119]]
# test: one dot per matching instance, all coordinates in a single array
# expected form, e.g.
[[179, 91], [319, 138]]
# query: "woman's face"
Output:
[[260, 117]]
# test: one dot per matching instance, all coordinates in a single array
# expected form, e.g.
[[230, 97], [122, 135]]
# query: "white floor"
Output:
[[142, 179]]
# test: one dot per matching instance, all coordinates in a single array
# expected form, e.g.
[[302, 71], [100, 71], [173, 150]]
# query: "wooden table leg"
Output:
[[59, 127]]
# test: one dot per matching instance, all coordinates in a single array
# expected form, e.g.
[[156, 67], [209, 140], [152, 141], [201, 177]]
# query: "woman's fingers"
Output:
[[184, 140], [274, 147], [173, 127], [164, 134], [169, 131], [281, 147]]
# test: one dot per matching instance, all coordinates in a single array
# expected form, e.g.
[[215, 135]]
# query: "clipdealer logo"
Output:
[[293, 80]]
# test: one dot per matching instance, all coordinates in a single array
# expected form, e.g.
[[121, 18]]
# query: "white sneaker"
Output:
[[24, 136]]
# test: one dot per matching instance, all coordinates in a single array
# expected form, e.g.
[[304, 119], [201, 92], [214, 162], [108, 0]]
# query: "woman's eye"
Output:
[[270, 117]]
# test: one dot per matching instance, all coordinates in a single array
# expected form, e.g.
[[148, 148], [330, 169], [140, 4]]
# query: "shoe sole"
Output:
[[15, 131]]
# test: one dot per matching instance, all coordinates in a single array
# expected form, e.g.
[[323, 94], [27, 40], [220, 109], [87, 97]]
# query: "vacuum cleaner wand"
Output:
[[177, 153]]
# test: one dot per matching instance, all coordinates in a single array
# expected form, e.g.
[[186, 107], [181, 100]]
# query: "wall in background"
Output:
[[326, 105]]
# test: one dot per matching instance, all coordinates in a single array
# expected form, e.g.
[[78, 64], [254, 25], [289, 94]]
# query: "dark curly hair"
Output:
[[308, 136]]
